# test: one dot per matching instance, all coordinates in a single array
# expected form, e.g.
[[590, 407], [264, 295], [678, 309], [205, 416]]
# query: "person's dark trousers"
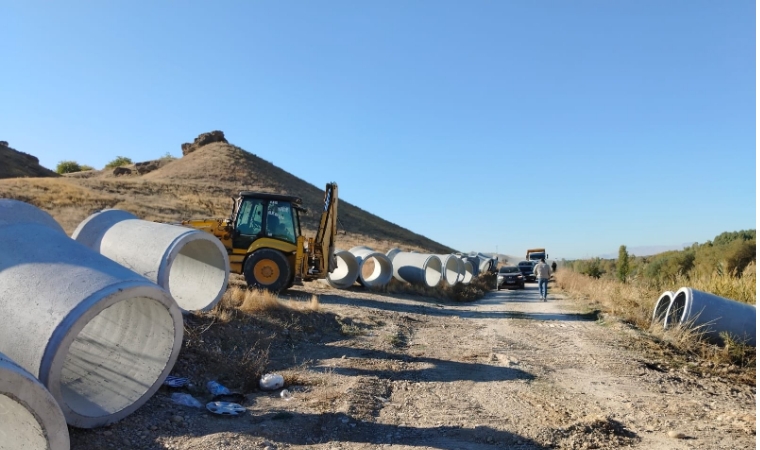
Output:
[[543, 288]]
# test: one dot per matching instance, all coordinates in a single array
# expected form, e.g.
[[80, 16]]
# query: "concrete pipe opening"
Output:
[[191, 264], [115, 355], [468, 272], [674, 311], [661, 307], [344, 276], [100, 337], [30, 418], [417, 268], [375, 268], [450, 268]]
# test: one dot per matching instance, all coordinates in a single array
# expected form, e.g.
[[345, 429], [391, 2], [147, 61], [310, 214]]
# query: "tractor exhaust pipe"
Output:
[[31, 419], [191, 264], [375, 269], [99, 336]]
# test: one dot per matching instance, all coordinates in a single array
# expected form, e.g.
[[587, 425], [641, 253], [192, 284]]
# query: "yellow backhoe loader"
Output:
[[264, 241]]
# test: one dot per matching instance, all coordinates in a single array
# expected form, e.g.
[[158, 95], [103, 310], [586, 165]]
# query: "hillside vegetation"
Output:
[[200, 185]]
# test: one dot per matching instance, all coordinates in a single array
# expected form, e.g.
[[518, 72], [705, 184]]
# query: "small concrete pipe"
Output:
[[375, 269], [461, 269], [99, 336], [468, 272], [661, 308], [30, 418], [417, 268], [450, 265], [712, 315], [191, 264], [344, 276]]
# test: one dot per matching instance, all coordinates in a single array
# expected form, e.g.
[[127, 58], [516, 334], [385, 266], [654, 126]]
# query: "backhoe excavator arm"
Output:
[[322, 259]]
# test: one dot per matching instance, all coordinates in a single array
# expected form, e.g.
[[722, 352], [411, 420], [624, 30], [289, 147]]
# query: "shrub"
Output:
[[68, 167], [118, 162], [86, 167]]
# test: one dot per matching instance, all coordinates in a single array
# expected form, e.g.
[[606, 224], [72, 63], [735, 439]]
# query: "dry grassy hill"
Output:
[[200, 185], [17, 164]]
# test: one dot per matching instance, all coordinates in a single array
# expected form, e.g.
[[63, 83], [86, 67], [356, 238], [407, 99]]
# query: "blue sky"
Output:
[[575, 126]]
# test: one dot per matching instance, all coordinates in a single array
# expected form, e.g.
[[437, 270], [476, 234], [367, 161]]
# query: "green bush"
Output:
[[118, 162], [86, 167], [68, 167]]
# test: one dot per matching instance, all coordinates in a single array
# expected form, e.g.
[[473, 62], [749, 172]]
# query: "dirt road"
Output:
[[508, 371]]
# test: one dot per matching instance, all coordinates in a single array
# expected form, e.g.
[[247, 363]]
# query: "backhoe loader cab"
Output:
[[264, 241]]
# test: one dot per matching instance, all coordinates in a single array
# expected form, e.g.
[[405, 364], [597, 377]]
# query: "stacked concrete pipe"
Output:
[[661, 307], [191, 264], [344, 276], [30, 418], [100, 337], [468, 272], [474, 263], [375, 269], [417, 268], [451, 269], [712, 315]]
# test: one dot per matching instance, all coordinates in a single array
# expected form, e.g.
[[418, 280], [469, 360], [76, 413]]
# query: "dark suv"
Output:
[[509, 277], [526, 268]]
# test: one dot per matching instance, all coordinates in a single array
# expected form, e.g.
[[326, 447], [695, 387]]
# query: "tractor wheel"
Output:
[[267, 269]]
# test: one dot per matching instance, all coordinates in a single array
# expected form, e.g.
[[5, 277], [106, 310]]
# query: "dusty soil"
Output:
[[508, 371]]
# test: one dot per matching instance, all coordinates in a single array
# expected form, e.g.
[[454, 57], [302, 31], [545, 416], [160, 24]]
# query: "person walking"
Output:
[[554, 266], [543, 272]]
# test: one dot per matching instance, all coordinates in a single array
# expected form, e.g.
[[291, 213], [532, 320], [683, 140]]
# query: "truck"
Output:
[[535, 254]]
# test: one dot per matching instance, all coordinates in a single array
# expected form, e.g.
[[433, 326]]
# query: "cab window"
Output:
[[249, 216], [280, 223]]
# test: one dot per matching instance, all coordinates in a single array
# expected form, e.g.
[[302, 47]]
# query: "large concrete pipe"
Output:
[[450, 265], [191, 264], [460, 269], [344, 276], [661, 308], [29, 416], [468, 272], [100, 337], [392, 252], [474, 262], [712, 315], [375, 269], [417, 268]]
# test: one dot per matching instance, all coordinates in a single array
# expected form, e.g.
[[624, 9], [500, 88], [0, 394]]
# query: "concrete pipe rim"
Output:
[[678, 308], [203, 287], [147, 352], [661, 307], [449, 268], [468, 272], [27, 402], [382, 272], [346, 272], [433, 270]]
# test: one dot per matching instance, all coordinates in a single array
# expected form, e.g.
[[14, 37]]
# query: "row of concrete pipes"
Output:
[[707, 314], [369, 268], [91, 325]]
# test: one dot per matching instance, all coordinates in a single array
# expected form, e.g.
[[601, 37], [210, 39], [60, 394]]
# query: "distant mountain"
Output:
[[647, 250]]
